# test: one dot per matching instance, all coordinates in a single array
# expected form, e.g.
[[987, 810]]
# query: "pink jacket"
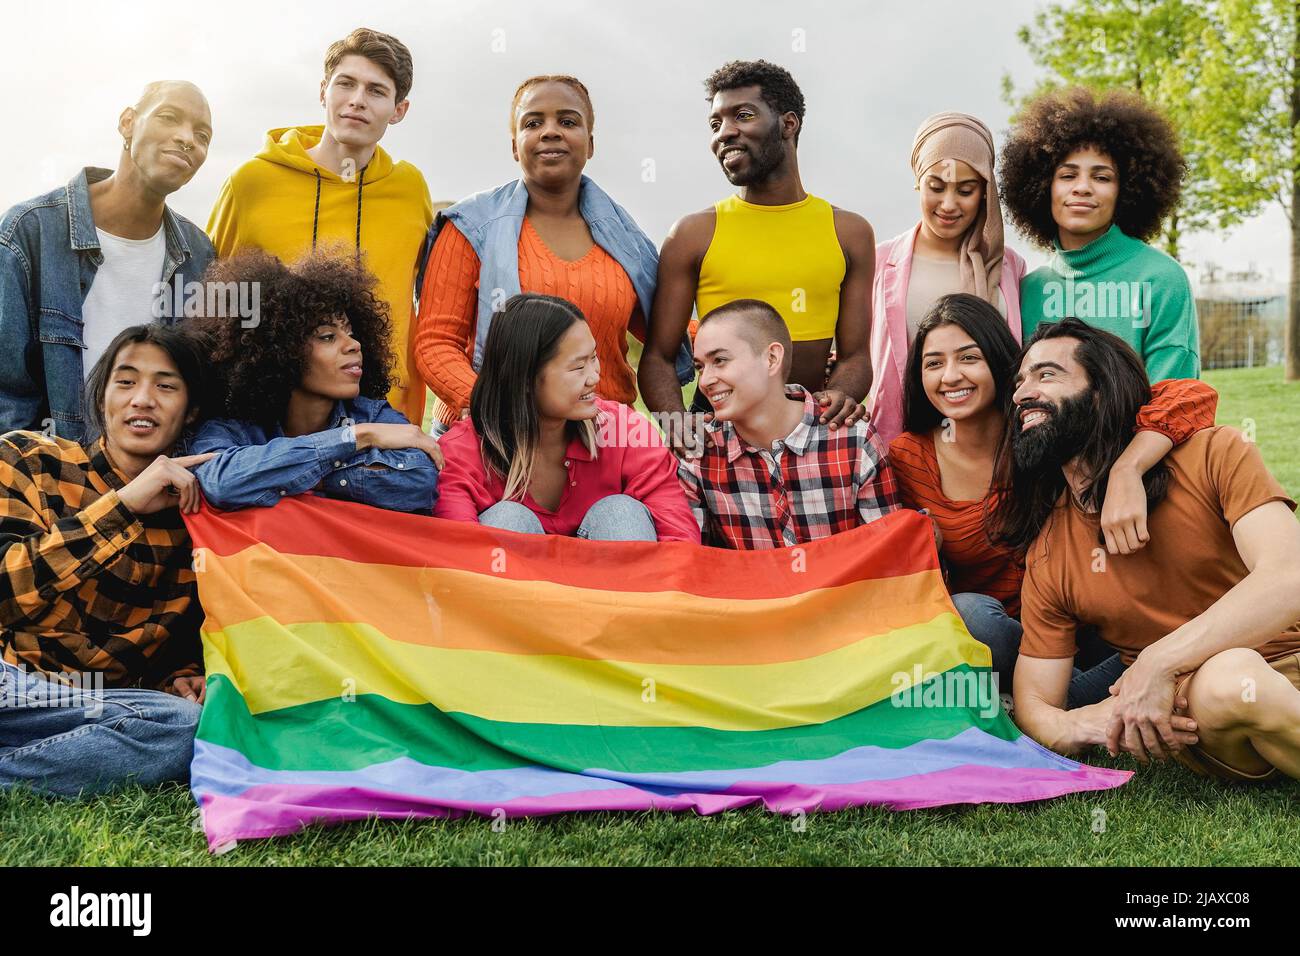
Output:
[[632, 460], [889, 325]]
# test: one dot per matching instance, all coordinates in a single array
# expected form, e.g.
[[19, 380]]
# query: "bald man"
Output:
[[81, 263]]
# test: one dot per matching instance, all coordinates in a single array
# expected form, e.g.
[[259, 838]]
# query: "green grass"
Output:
[[1164, 816], [1259, 400]]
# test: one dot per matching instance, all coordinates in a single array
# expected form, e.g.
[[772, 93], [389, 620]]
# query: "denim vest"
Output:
[[49, 253], [491, 221]]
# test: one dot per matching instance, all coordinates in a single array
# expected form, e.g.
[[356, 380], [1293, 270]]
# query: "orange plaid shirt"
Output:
[[86, 585]]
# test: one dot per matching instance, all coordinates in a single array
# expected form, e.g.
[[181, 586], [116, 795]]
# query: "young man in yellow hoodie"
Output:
[[334, 184]]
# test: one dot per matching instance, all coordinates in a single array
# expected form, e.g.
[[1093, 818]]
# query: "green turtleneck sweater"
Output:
[[1124, 286]]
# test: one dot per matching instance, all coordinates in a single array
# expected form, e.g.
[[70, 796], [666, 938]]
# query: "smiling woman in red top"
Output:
[[955, 392], [541, 454]]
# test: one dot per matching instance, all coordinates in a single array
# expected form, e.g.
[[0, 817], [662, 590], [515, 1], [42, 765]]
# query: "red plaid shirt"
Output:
[[817, 482]]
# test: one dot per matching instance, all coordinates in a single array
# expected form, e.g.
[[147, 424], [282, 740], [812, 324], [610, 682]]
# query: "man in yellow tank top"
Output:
[[771, 241]]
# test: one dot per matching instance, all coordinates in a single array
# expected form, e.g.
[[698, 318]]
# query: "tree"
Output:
[[1251, 82], [1226, 73]]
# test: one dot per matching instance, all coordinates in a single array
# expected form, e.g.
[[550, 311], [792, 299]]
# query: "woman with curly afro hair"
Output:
[[302, 397], [1092, 177]]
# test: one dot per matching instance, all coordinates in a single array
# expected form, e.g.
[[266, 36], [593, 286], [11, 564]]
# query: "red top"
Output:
[[1179, 408], [631, 460], [444, 338]]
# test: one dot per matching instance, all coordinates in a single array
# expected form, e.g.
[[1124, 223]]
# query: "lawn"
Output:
[[1163, 816]]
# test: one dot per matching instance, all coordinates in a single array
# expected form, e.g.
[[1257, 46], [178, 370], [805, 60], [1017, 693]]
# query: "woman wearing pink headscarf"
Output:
[[956, 247]]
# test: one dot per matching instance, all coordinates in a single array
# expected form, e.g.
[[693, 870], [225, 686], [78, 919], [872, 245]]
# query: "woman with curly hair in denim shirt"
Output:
[[302, 400]]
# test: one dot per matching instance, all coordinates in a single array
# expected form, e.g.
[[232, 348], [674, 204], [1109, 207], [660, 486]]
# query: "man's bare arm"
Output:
[[679, 275], [1041, 686], [1254, 611], [851, 375]]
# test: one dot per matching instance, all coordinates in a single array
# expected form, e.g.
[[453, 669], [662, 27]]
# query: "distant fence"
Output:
[[1240, 333]]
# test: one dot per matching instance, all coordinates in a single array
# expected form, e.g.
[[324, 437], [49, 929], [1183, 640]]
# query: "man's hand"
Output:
[[838, 408], [685, 432], [393, 435], [165, 483], [1143, 721], [191, 688], [1124, 513]]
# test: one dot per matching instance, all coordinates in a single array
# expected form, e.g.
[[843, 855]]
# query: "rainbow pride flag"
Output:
[[367, 663]]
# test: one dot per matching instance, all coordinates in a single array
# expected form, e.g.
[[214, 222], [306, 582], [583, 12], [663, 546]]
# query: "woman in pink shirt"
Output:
[[541, 454], [956, 247]]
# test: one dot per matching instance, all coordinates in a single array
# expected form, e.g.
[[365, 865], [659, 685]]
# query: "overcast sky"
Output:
[[870, 73]]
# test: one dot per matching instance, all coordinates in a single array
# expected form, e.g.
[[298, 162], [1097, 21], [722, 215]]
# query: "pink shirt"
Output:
[[889, 325], [631, 460]]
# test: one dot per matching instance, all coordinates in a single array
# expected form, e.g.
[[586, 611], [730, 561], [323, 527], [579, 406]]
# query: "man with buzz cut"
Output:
[[773, 241], [772, 474], [81, 263], [335, 185]]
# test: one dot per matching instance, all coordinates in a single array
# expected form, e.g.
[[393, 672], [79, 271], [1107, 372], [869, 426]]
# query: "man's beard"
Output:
[[1051, 443], [762, 164]]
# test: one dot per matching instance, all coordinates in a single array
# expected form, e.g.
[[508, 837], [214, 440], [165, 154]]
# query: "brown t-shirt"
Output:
[[1190, 562]]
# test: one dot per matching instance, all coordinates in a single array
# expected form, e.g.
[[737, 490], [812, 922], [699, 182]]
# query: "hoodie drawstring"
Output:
[[315, 216], [361, 181]]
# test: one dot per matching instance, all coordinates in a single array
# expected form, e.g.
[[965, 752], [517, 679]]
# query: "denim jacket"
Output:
[[491, 222], [257, 467], [49, 253]]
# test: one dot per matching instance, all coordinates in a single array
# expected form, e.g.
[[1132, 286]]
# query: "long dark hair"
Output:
[[502, 406], [1117, 383], [183, 345], [989, 330]]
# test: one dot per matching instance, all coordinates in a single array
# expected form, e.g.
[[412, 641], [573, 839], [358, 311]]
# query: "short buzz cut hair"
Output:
[[760, 325], [778, 88], [387, 52]]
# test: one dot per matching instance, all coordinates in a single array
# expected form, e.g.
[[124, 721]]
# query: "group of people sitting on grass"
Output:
[[1133, 569]]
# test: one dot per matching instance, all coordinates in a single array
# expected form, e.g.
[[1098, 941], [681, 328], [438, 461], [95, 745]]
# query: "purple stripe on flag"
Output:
[[276, 809]]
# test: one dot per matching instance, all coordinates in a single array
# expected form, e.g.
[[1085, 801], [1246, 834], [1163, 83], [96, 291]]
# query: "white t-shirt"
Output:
[[122, 293]]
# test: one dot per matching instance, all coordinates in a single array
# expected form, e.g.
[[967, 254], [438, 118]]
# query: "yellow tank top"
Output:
[[787, 256]]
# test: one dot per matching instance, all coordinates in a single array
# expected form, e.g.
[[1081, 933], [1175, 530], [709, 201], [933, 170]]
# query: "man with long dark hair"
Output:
[[1205, 614], [98, 611]]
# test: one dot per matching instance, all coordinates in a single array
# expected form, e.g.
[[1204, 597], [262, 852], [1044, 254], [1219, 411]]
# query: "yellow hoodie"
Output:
[[271, 202]]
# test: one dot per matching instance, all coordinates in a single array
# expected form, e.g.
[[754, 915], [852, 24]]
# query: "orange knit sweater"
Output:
[[444, 339]]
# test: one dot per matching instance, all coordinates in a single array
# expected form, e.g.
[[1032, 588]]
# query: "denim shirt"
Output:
[[491, 222], [49, 253], [257, 467]]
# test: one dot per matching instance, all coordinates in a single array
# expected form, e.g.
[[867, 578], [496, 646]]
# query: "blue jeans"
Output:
[[72, 742], [989, 623], [612, 518]]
